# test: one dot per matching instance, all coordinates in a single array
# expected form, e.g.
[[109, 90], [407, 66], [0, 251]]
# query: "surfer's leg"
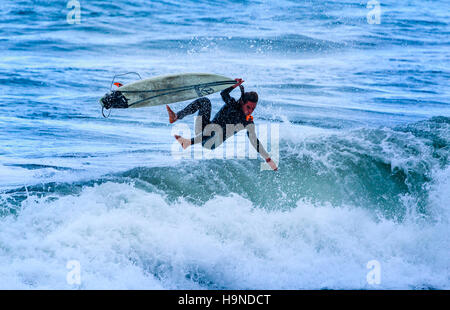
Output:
[[202, 105], [172, 116], [208, 142], [185, 143]]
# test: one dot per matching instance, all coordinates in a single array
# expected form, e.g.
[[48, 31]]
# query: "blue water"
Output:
[[364, 120]]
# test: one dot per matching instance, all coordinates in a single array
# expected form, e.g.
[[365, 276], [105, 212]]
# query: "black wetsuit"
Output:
[[230, 114]]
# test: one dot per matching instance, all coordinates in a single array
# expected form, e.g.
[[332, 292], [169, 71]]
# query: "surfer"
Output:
[[232, 117]]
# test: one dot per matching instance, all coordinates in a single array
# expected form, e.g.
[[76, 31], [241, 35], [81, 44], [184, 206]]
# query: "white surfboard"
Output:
[[165, 90]]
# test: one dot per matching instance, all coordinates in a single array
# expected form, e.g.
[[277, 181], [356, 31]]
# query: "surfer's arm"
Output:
[[251, 134], [226, 92], [226, 95], [258, 146]]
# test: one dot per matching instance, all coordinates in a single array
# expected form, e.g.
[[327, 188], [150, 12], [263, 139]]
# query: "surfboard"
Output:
[[165, 90]]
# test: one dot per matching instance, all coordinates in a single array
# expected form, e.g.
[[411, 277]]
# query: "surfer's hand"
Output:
[[272, 164], [239, 82]]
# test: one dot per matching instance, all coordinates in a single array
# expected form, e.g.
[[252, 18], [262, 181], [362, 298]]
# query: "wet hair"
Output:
[[247, 96]]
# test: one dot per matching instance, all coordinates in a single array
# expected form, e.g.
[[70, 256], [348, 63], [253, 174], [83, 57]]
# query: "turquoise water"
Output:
[[364, 123]]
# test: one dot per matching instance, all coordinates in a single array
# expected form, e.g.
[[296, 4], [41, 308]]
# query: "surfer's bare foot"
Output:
[[185, 143], [172, 115]]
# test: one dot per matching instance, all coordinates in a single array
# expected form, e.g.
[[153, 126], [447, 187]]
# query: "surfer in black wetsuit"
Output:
[[232, 117]]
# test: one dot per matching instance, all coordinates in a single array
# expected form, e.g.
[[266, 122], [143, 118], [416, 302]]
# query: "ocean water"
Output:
[[364, 122]]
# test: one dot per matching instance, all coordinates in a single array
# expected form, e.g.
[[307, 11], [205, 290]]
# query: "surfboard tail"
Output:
[[114, 100]]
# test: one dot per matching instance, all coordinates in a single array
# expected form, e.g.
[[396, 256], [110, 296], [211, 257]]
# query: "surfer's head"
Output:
[[248, 101], [248, 107]]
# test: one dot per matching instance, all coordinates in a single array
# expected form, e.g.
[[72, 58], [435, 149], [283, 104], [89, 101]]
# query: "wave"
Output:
[[376, 169], [340, 199], [128, 238], [108, 194]]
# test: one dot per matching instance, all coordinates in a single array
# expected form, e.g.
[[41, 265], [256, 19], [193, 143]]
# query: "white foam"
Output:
[[125, 238]]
